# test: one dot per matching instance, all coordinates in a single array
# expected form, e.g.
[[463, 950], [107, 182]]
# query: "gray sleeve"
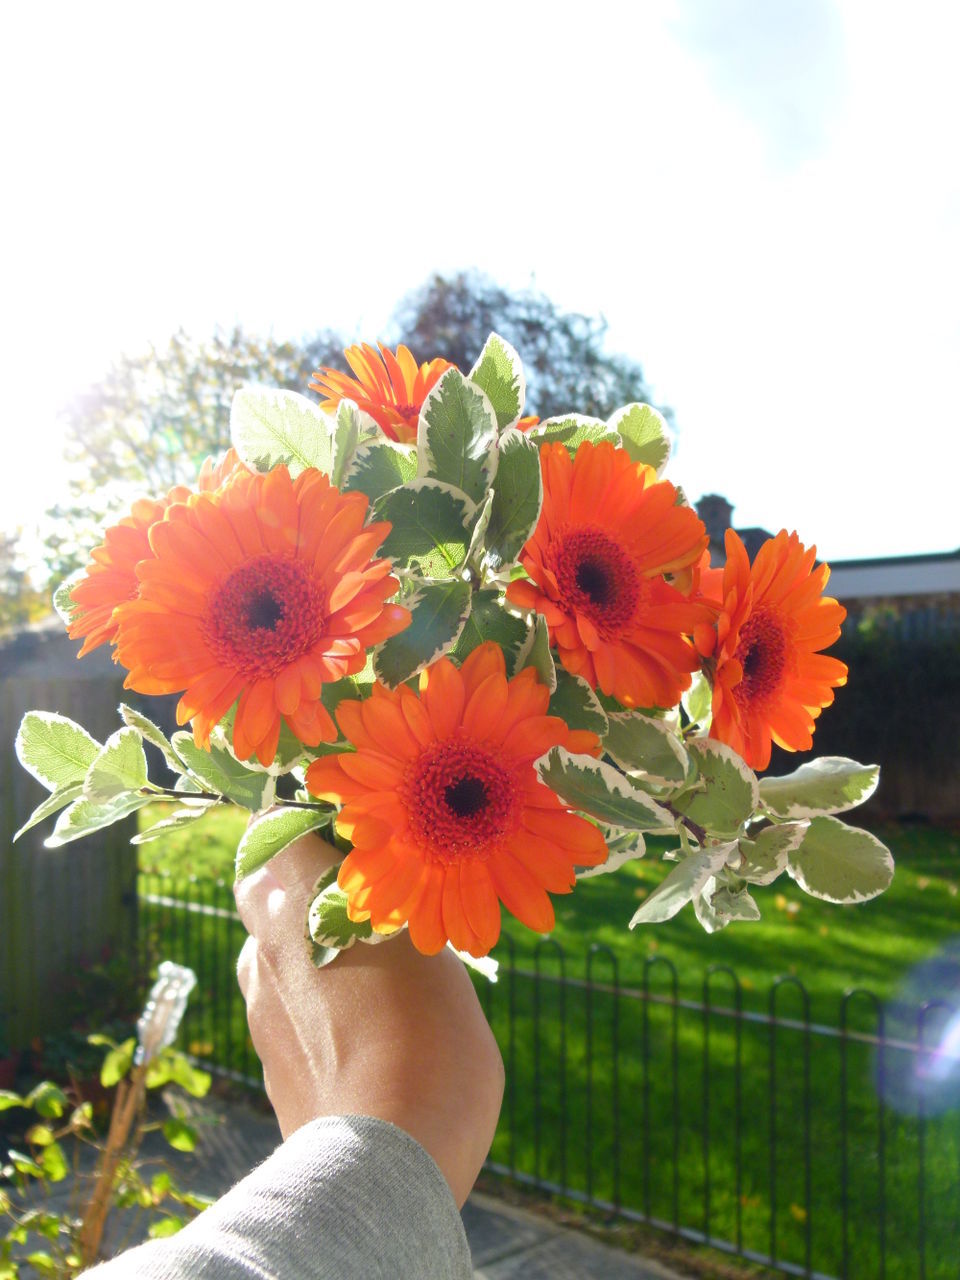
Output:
[[344, 1198]]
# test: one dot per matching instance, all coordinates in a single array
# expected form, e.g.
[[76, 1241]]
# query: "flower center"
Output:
[[762, 651], [266, 614], [408, 412], [460, 801], [597, 577]]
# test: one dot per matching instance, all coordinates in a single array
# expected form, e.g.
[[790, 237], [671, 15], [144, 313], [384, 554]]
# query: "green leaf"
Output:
[[48, 1100], [438, 612], [575, 702], [329, 926], [63, 599], [764, 856], [53, 804], [353, 427], [499, 374], [840, 863], [680, 885], [597, 788], [24, 1164], [221, 773], [378, 467], [10, 1099], [517, 498], [697, 701], [572, 430], [272, 832], [490, 620], [117, 1063], [39, 1135], [54, 1163], [430, 527], [832, 784], [180, 1135], [457, 436], [83, 817], [55, 750], [539, 655], [43, 1262], [190, 1078], [179, 818], [270, 426], [725, 793], [170, 1225], [119, 768], [646, 745], [151, 733], [644, 434]]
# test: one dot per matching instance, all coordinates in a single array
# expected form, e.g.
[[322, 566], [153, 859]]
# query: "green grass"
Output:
[[552, 1128]]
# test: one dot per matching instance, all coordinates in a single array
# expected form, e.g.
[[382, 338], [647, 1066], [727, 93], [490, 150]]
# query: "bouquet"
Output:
[[487, 654]]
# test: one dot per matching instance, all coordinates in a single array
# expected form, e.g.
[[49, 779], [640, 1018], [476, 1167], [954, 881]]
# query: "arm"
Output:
[[387, 1083]]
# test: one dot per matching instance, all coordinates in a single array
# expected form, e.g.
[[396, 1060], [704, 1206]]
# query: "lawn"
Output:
[[630, 1125]]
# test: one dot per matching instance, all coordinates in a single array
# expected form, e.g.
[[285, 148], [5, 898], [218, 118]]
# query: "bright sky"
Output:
[[761, 196]]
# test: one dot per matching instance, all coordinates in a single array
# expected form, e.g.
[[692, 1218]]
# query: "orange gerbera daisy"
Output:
[[257, 594], [110, 578], [445, 810], [608, 532], [391, 388], [770, 680]]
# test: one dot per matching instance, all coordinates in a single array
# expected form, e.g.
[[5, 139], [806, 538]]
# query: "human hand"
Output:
[[383, 1031]]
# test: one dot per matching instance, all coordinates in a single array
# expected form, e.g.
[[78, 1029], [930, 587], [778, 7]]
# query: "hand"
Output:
[[382, 1031]]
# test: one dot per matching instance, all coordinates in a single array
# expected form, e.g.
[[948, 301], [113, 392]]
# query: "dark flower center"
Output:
[[460, 801], [597, 577], [763, 652], [408, 412], [265, 615]]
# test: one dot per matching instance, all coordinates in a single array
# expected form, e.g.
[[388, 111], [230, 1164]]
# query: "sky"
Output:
[[761, 197]]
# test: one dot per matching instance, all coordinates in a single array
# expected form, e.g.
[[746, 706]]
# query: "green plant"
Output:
[[51, 1236]]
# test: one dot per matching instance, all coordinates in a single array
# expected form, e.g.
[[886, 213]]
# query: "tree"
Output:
[[20, 601], [562, 352]]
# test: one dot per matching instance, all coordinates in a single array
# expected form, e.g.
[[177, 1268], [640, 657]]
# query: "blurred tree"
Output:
[[150, 422], [20, 601], [563, 358]]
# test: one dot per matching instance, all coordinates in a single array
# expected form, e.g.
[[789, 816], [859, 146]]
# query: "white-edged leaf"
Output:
[[840, 863], [329, 927], [517, 499], [151, 733], [174, 821], [478, 533], [438, 614], [223, 775], [644, 433], [697, 701], [83, 817], [486, 966], [539, 655], [352, 427], [377, 466], [270, 426], [725, 793], [457, 436], [119, 768], [572, 430], [598, 789], [832, 784], [620, 854], [63, 599], [643, 744], [272, 832], [57, 751], [575, 702], [289, 753], [682, 883], [430, 527], [764, 856], [499, 374], [53, 804], [717, 905], [490, 620]]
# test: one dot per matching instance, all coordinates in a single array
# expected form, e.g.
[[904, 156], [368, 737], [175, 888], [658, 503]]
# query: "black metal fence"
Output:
[[723, 1115]]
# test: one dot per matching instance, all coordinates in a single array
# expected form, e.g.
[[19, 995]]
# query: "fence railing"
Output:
[[826, 1148]]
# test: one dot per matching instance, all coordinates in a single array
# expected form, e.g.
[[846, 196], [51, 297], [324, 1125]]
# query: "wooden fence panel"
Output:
[[59, 908]]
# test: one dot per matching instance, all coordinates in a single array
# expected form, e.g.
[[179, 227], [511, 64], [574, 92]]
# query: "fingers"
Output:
[[269, 896]]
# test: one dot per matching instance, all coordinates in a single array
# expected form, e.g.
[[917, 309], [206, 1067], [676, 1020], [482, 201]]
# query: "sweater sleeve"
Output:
[[344, 1198]]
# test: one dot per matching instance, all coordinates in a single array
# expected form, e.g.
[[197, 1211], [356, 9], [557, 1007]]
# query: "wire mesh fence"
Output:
[[821, 1149]]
